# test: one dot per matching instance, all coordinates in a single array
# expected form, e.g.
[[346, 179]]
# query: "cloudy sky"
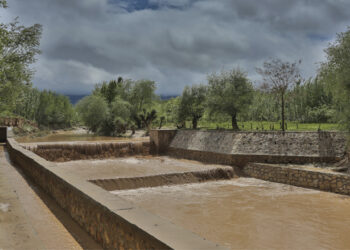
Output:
[[173, 42]]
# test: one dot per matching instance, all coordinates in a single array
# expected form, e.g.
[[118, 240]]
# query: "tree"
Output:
[[28, 106], [113, 89], [141, 97], [335, 72], [142, 93], [147, 118], [53, 110], [229, 93], [172, 108], [192, 103], [93, 111], [121, 116], [279, 76], [18, 48]]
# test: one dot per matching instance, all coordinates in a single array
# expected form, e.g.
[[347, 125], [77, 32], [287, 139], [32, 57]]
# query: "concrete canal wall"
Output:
[[110, 220]]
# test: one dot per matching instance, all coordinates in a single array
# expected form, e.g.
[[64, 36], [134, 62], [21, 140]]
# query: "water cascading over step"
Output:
[[222, 173], [80, 151]]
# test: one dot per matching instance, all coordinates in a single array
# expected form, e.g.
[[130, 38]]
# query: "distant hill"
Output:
[[167, 97], [75, 98]]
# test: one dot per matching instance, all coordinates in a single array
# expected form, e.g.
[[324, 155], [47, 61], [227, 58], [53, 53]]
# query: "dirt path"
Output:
[[29, 218]]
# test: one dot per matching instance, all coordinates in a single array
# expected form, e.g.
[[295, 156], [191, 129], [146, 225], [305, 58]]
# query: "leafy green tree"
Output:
[[112, 89], [93, 111], [192, 103], [310, 102], [172, 109], [229, 93], [279, 76], [18, 48], [147, 118], [335, 72], [142, 94], [263, 107], [141, 98], [29, 103], [121, 116], [53, 110]]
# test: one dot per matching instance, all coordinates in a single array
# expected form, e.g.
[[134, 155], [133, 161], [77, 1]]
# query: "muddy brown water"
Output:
[[246, 213], [71, 136], [241, 213], [136, 166]]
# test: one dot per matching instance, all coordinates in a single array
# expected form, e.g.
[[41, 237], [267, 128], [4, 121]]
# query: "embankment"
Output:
[[239, 148], [81, 151], [223, 173], [330, 182], [112, 221], [250, 151]]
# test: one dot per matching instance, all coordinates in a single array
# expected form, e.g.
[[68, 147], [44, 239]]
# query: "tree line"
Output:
[[122, 104], [19, 46], [119, 105]]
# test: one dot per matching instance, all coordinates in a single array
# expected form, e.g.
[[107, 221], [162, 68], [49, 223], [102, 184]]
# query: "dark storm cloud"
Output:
[[174, 42]]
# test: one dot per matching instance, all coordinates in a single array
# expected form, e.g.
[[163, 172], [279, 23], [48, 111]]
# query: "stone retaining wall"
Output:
[[78, 151], [241, 160], [316, 144], [239, 148], [110, 220], [330, 182]]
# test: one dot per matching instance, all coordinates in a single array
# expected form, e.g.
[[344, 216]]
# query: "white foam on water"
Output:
[[132, 160], [199, 189], [4, 207]]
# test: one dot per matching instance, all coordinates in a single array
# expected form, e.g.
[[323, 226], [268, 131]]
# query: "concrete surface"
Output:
[[26, 222], [3, 134], [112, 221]]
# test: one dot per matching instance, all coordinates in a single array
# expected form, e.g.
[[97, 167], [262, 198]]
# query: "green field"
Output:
[[267, 126]]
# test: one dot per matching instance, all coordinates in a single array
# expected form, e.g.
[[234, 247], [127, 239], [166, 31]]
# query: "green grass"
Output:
[[260, 126], [265, 126]]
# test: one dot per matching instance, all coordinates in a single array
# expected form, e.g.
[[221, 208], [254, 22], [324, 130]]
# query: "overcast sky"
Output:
[[173, 42]]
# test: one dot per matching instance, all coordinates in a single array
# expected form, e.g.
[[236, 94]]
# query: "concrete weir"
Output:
[[91, 188], [223, 173], [264, 155], [111, 221]]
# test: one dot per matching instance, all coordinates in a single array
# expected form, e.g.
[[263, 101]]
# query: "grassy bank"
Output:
[[265, 126]]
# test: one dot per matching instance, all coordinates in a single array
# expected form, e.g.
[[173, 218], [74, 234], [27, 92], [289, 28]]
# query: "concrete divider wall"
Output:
[[3, 134], [112, 221], [330, 182], [160, 140]]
